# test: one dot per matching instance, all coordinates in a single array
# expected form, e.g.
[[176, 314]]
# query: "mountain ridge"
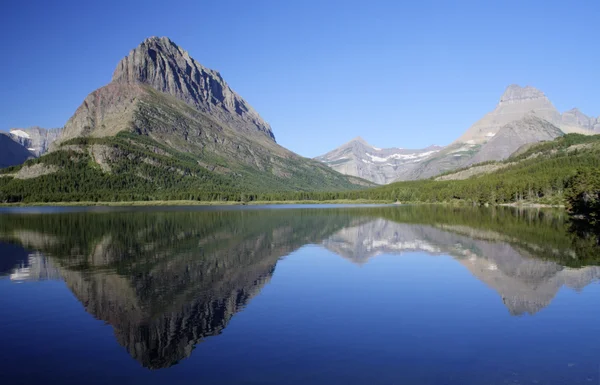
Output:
[[523, 115], [379, 165], [166, 124], [36, 139]]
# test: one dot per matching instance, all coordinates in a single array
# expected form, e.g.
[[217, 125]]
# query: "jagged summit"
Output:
[[575, 118], [166, 67], [515, 93], [379, 165], [359, 139]]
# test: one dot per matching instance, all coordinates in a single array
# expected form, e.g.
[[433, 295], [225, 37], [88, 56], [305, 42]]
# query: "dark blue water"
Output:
[[391, 295]]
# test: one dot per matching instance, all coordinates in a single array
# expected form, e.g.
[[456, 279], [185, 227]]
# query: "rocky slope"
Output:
[[575, 120], [515, 104], [11, 152], [166, 67], [36, 139], [514, 135], [174, 115], [358, 158]]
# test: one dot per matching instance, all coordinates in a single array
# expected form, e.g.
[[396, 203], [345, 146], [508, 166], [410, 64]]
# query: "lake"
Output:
[[297, 295]]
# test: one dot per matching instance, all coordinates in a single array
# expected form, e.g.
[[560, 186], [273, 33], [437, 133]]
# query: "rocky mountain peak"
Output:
[[359, 139], [575, 118], [515, 94], [358, 143], [163, 65]]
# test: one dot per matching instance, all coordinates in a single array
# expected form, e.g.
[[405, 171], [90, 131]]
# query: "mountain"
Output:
[[513, 136], [523, 115], [515, 104], [158, 64], [358, 158], [11, 152], [477, 144], [35, 139], [166, 125], [574, 119]]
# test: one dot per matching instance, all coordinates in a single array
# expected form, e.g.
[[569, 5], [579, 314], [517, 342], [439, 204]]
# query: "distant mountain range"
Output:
[[379, 165], [523, 115], [35, 139]]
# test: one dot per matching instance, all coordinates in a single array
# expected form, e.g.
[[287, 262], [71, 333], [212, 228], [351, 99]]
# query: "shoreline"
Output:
[[190, 203], [257, 203]]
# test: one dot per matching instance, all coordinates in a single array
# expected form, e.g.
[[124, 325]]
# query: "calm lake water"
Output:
[[297, 295]]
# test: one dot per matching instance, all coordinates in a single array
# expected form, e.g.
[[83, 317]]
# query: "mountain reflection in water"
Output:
[[166, 280]]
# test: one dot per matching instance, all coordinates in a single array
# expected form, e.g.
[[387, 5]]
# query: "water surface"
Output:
[[297, 295]]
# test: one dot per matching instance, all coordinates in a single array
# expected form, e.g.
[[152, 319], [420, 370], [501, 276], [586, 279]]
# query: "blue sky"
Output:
[[397, 73]]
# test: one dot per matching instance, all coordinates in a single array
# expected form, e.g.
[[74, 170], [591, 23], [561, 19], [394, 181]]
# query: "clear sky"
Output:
[[397, 73]]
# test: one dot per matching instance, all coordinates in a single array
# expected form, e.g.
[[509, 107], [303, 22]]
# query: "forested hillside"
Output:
[[132, 167], [138, 168]]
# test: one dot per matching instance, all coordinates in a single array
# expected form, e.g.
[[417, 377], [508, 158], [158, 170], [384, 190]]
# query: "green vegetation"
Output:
[[541, 174], [583, 198], [130, 167], [141, 169], [543, 234]]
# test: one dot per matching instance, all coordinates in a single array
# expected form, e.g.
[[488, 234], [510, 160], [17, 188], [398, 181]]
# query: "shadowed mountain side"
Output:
[[525, 283], [166, 281], [11, 152]]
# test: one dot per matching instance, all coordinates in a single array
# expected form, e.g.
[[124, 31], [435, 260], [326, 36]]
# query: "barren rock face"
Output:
[[515, 94], [512, 136], [576, 118], [515, 104], [37, 140], [379, 165], [104, 112], [161, 64]]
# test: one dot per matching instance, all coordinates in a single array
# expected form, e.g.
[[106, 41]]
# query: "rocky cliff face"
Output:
[[576, 120], [167, 68], [515, 104], [37, 140], [145, 79], [513, 135], [359, 158]]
